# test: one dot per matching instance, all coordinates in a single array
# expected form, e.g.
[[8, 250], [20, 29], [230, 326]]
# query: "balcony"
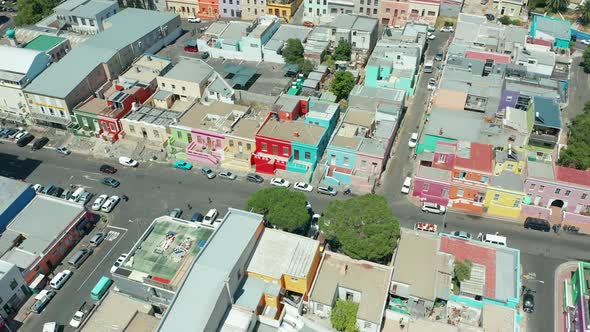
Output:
[[543, 138]]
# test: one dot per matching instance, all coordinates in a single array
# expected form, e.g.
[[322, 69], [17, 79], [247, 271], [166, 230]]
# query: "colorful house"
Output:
[[240, 142], [471, 176], [394, 65], [286, 259], [505, 195], [545, 121], [554, 29], [199, 134], [282, 8], [323, 113], [86, 114], [576, 315], [509, 159], [290, 107], [208, 9], [432, 185]]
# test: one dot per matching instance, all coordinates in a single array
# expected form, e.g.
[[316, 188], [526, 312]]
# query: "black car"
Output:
[[528, 301], [57, 192], [198, 217], [40, 143], [254, 178], [111, 182], [23, 141], [490, 17], [41, 304], [108, 169], [537, 224]]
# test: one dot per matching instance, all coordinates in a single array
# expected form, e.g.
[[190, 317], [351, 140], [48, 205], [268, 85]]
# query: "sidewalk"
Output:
[[562, 273]]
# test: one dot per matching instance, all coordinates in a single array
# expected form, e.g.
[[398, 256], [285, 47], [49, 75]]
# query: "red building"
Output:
[[271, 153], [209, 9], [472, 172], [290, 107]]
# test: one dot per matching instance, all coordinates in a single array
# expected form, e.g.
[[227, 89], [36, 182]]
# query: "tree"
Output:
[[508, 21], [32, 11], [281, 207], [343, 316], [306, 67], [293, 52], [342, 84], [557, 5], [362, 227], [342, 51], [583, 11], [577, 152], [463, 270], [586, 60], [329, 61]]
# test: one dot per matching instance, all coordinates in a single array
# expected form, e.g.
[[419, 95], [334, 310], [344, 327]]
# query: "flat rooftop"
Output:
[[93, 106], [117, 312], [169, 247], [217, 117], [146, 69], [295, 131], [153, 115], [190, 70], [44, 43], [280, 253], [11, 190], [540, 170], [248, 125]]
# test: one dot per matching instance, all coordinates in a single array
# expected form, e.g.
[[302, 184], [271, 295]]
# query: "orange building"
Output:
[[472, 172], [209, 9]]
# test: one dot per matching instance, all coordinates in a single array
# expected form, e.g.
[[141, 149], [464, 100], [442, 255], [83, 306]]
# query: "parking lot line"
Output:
[[101, 261], [120, 228]]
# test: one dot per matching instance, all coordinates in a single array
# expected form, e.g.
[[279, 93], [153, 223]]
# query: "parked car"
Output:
[[175, 213], [43, 301], [126, 161], [97, 239], [406, 185], [60, 279], [20, 134], [197, 217], [490, 17], [439, 55], [433, 208], [446, 29], [462, 234], [430, 36], [204, 55], [110, 204], [118, 262], [66, 195], [63, 150], [254, 178], [98, 202], [413, 140], [327, 190], [3, 131], [308, 24], [57, 191], [537, 224], [48, 189], [280, 182], [227, 175], [528, 301], [15, 132], [38, 188], [208, 173], [210, 217], [26, 139], [10, 133], [108, 169], [431, 84], [585, 41], [192, 19], [85, 197], [111, 182], [183, 165], [303, 186], [40, 143]]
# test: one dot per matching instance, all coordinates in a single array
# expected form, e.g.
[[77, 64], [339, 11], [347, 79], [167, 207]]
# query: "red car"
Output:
[[108, 169], [308, 24]]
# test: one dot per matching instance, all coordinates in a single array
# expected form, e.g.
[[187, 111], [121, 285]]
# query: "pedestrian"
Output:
[[210, 200], [190, 207]]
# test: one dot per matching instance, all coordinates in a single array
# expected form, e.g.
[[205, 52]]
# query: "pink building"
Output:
[[394, 13], [423, 11], [432, 185]]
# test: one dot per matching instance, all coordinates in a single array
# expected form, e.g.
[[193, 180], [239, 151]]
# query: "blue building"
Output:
[[14, 196]]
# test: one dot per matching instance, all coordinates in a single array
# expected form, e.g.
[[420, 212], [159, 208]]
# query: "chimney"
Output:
[[343, 269], [296, 134]]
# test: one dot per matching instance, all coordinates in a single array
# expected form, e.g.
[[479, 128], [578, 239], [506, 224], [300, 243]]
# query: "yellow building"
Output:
[[285, 259], [282, 8], [505, 195], [240, 142], [510, 159]]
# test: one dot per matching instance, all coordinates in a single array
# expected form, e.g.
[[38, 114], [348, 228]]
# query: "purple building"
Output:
[[230, 8]]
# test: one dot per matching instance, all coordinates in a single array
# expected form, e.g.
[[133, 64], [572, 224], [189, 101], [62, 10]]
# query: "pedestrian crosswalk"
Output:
[[112, 235]]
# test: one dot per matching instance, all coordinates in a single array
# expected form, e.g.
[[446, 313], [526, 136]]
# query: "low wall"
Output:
[[574, 218], [535, 211]]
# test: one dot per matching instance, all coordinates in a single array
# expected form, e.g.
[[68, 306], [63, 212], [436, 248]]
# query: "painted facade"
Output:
[[283, 9], [423, 11], [209, 9], [510, 8], [505, 195], [576, 314], [471, 176], [230, 8], [252, 9], [394, 65], [394, 13], [432, 185], [184, 8], [554, 29]]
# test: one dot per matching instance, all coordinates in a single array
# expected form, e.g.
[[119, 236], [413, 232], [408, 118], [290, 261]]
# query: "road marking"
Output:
[[120, 228], [112, 235], [88, 177], [100, 263]]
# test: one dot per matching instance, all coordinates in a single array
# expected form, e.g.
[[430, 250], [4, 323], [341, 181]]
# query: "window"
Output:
[[541, 188], [173, 86], [368, 324], [308, 155], [324, 11], [248, 147], [362, 2], [415, 11], [403, 12], [431, 13], [275, 150], [264, 147], [557, 191], [484, 179], [496, 197], [374, 10], [62, 114], [568, 192], [225, 12], [532, 186], [425, 187], [285, 150], [361, 10], [13, 284], [349, 296], [51, 111], [179, 134], [345, 162], [183, 88], [445, 192], [319, 306], [388, 10], [91, 22], [516, 203], [231, 142], [462, 175], [510, 167], [363, 164], [584, 196], [442, 158], [368, 2], [163, 84], [460, 192], [310, 10]]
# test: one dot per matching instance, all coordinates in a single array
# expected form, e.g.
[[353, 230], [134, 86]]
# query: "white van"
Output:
[[406, 185], [494, 239], [60, 279], [50, 327], [76, 195], [429, 65]]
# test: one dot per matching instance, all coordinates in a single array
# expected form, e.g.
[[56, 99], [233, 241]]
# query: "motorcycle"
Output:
[[347, 192]]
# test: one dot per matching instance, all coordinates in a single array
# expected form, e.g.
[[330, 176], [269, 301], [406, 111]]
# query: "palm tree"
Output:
[[557, 5], [584, 11]]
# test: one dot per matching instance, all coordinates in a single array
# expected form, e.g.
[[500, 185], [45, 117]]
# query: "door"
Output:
[[296, 154], [208, 142], [240, 148], [537, 200]]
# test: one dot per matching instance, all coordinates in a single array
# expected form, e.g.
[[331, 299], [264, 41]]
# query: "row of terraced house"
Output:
[[493, 127]]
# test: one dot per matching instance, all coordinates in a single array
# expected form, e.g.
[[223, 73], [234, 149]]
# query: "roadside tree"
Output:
[[282, 208]]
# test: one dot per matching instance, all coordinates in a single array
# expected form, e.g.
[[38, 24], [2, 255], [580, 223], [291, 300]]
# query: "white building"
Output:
[[85, 16], [18, 67], [13, 289]]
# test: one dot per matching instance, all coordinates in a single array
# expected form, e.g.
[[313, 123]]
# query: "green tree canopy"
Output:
[[343, 316], [306, 67], [362, 227], [281, 207], [342, 84], [557, 5], [577, 152], [32, 11], [293, 52], [463, 270], [586, 60], [342, 51], [583, 11]]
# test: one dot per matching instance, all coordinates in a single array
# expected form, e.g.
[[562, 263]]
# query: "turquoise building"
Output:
[[555, 29], [394, 65]]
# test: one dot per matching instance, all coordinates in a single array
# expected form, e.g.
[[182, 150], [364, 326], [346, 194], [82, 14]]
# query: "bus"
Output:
[[101, 287]]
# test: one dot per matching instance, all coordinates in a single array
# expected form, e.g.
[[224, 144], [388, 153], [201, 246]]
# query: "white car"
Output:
[[280, 182], [413, 140], [432, 84], [125, 161], [433, 208], [38, 188], [118, 262], [20, 134], [406, 185], [210, 217], [77, 319], [110, 204], [585, 41], [446, 29], [303, 186], [193, 19], [63, 150], [430, 36], [98, 202]]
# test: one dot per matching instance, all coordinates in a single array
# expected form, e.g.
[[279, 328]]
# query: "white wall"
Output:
[[12, 99], [6, 292]]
